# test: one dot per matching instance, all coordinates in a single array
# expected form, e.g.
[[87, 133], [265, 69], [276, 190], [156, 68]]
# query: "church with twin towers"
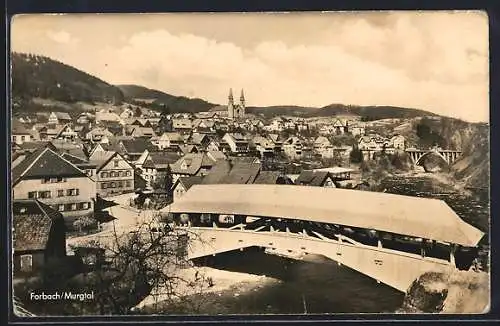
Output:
[[235, 111]]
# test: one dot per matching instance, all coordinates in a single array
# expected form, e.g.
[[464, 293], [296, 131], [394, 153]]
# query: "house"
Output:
[[39, 236], [264, 146], [198, 139], [97, 134], [157, 163], [315, 179], [341, 126], [192, 164], [127, 113], [169, 140], [237, 142], [278, 142], [205, 127], [84, 118], [182, 124], [397, 142], [66, 132], [323, 147], [30, 147], [277, 124], [20, 134], [357, 129], [292, 147], [57, 118], [183, 184], [218, 146], [55, 181], [132, 149], [114, 175], [107, 115], [137, 131]]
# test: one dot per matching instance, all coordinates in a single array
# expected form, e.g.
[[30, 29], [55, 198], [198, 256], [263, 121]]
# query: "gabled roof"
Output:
[[101, 158], [312, 178], [32, 224], [42, 163], [187, 149], [160, 160], [172, 136], [268, 177], [194, 162]]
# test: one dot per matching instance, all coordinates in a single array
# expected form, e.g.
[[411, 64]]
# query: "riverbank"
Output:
[[208, 282], [461, 292]]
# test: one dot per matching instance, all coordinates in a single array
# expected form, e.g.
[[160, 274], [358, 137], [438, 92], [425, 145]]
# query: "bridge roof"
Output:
[[412, 216]]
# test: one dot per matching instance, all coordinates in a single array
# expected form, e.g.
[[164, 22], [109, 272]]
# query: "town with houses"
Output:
[[68, 164]]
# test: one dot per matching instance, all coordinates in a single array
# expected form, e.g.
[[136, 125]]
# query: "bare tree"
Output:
[[149, 262]]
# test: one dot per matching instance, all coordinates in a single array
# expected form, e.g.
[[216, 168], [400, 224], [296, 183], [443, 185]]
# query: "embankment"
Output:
[[461, 292]]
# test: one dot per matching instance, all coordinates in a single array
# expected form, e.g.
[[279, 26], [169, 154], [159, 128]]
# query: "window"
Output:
[[113, 185], [119, 173], [32, 194], [59, 179], [104, 185], [120, 184], [26, 263], [104, 174], [14, 138], [85, 205], [73, 207], [60, 208], [54, 180], [23, 138], [44, 194], [72, 192], [60, 193], [128, 173], [116, 163], [112, 174], [46, 180], [128, 183]]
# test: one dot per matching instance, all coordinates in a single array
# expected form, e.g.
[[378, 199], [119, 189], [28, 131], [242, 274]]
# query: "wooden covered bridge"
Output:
[[391, 238]]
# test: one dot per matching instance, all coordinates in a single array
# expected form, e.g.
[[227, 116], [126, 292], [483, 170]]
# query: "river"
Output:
[[320, 285]]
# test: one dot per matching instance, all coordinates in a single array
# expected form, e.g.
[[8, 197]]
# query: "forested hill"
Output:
[[35, 76], [158, 99]]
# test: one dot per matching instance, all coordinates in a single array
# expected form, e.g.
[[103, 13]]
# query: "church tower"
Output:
[[242, 105], [230, 105]]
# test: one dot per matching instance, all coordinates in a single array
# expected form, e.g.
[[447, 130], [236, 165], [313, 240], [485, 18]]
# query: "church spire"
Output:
[[230, 97], [242, 98]]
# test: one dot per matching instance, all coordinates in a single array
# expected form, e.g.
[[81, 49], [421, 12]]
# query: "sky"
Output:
[[436, 61]]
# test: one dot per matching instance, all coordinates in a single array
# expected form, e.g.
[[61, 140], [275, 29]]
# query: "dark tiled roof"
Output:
[[33, 145], [19, 128], [268, 177], [160, 159], [32, 223], [188, 182], [44, 162], [225, 172], [137, 145], [312, 178]]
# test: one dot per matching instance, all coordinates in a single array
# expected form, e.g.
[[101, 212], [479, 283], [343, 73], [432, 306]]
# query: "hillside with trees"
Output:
[[35, 76]]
